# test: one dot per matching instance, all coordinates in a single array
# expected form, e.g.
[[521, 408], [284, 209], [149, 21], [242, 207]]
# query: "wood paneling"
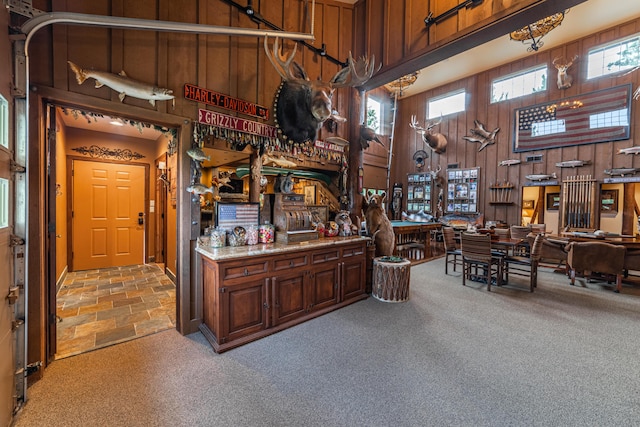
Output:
[[466, 154]]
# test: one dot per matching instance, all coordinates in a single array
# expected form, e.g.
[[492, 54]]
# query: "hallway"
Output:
[[98, 308]]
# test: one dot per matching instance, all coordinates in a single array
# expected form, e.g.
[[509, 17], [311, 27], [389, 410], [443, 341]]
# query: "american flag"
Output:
[[593, 117], [230, 215]]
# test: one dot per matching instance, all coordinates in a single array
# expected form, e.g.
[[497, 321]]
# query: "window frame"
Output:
[[517, 74], [603, 47], [451, 94]]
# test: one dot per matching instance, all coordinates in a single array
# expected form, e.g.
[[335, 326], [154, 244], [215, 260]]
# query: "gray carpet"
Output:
[[452, 355]]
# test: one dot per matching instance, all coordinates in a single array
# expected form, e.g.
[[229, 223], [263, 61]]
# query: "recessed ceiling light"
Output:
[[116, 123]]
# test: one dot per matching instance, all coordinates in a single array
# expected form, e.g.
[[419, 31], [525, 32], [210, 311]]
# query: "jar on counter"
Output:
[[266, 233], [252, 235], [218, 238]]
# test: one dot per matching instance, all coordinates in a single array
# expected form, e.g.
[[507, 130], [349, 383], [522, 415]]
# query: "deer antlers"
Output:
[[564, 64]]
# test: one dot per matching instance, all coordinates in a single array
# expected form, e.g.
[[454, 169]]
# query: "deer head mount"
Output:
[[302, 105], [437, 141], [562, 65]]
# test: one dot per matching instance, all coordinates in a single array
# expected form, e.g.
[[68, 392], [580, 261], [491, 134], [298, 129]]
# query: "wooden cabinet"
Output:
[[247, 299]]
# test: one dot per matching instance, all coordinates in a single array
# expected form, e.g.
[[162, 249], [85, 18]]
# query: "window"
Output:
[[447, 104], [374, 114], [4, 122], [521, 84], [614, 58], [4, 203]]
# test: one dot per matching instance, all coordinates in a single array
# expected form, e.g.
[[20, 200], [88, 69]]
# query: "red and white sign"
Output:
[[212, 118]]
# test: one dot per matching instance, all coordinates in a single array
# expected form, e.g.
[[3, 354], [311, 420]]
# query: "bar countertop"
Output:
[[236, 252]]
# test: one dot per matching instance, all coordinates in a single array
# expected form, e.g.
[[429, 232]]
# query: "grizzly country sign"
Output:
[[212, 118], [198, 94]]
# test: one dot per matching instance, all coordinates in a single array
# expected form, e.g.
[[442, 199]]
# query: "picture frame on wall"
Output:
[[608, 201], [310, 195], [553, 201], [528, 204]]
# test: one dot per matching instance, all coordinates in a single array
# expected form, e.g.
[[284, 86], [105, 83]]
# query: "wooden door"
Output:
[[108, 214]]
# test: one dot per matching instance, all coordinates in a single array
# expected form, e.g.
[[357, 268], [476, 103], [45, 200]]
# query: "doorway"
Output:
[[107, 285], [540, 204]]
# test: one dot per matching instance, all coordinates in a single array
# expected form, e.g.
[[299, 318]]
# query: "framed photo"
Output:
[[553, 201], [321, 211], [310, 195], [528, 204], [608, 200]]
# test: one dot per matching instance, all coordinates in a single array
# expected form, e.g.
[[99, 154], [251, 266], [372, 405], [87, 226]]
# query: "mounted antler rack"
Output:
[[258, 18]]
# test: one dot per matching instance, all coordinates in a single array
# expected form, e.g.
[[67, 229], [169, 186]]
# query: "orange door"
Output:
[[108, 206]]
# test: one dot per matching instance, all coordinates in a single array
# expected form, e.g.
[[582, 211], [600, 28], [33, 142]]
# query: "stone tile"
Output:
[[75, 346], [113, 297], [161, 312], [110, 285], [106, 305], [144, 306], [131, 319], [139, 292], [127, 301], [81, 303], [114, 312], [115, 335], [95, 327], [77, 320], [65, 334], [163, 288], [153, 325], [67, 312], [97, 293], [84, 289]]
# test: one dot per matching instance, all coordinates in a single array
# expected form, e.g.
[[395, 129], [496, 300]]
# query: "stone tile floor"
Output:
[[98, 308]]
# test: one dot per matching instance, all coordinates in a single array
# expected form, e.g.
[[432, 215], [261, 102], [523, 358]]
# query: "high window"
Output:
[[4, 122], [613, 58], [374, 115], [447, 104], [520, 84]]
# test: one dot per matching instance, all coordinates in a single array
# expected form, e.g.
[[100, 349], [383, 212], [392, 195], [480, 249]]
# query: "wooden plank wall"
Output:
[[236, 66], [465, 154]]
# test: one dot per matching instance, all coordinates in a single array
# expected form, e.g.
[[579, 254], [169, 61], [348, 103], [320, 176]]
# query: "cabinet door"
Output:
[[289, 296], [353, 277], [244, 307], [323, 286]]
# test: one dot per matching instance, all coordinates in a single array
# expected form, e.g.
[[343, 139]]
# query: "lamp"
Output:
[[537, 30]]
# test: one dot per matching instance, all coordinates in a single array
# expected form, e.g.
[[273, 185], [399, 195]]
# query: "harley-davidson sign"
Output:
[[212, 118], [198, 94]]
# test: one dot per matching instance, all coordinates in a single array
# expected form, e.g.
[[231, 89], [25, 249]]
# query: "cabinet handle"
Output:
[[246, 272], [290, 263]]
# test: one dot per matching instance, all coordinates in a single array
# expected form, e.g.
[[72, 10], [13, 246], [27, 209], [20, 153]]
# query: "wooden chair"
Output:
[[538, 228], [598, 257], [450, 249], [477, 254], [525, 265], [520, 232]]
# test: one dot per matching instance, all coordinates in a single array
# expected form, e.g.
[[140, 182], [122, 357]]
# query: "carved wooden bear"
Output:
[[378, 224]]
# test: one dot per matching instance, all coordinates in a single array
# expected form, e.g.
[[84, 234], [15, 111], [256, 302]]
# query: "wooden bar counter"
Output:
[[250, 292]]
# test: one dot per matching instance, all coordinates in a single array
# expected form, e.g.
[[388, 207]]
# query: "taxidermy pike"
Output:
[[621, 171], [573, 163], [199, 189], [197, 154], [630, 150], [541, 177], [510, 162], [123, 85], [281, 161]]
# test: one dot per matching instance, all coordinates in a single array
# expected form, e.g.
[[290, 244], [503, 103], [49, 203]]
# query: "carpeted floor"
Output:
[[452, 355]]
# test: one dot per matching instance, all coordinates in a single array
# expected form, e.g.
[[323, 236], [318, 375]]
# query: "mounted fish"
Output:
[[199, 189], [280, 161], [510, 162], [302, 105], [481, 135], [630, 150], [541, 177], [573, 163], [621, 171], [437, 141], [197, 154], [123, 85]]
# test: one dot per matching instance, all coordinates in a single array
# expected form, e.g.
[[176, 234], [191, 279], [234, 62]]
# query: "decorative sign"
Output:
[[206, 96], [330, 146], [106, 153], [212, 118], [621, 179], [593, 117]]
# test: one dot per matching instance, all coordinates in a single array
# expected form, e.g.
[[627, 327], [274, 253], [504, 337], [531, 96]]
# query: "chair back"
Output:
[[536, 247], [476, 247], [449, 238], [538, 228], [502, 233], [519, 232]]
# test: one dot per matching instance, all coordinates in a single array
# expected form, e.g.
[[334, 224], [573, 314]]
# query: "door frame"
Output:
[[70, 190], [188, 292]]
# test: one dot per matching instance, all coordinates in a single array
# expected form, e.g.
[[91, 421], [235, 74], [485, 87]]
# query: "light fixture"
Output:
[[116, 123], [403, 82], [534, 32]]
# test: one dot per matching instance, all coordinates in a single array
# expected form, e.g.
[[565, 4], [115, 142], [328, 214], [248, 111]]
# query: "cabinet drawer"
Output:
[[326, 255], [353, 251], [291, 261], [244, 269]]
